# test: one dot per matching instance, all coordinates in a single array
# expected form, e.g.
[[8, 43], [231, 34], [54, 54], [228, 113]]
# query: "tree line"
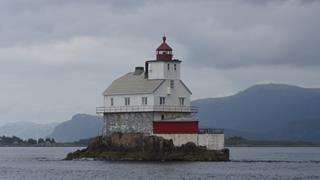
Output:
[[13, 140]]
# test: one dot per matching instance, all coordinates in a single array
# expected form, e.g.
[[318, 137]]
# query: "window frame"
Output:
[[182, 101], [162, 100], [144, 100], [127, 101], [111, 102]]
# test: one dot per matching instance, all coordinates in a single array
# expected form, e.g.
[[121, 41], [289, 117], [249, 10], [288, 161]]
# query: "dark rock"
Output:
[[189, 147], [137, 146]]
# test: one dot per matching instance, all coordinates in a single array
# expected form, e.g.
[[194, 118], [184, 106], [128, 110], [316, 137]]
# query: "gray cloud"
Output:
[[56, 57], [216, 33]]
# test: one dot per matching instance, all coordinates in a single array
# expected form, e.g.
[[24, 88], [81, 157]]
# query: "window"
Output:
[[171, 84], [162, 100], [181, 101], [144, 100], [162, 117], [111, 101], [168, 67], [175, 67], [127, 101]]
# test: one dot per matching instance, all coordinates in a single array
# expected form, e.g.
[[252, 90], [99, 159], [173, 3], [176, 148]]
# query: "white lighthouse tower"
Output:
[[164, 67]]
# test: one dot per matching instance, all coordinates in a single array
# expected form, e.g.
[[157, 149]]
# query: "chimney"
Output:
[[138, 70], [146, 70]]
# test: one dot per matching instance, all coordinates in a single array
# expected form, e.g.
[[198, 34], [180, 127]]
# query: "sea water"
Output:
[[39, 163]]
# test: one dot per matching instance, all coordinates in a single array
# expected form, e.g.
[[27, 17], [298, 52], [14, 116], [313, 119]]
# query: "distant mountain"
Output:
[[308, 129], [27, 130], [81, 126], [270, 111]]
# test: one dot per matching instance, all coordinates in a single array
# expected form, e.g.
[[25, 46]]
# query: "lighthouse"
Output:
[[153, 100]]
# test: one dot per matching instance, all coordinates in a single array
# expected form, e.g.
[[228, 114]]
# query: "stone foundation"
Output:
[[130, 122]]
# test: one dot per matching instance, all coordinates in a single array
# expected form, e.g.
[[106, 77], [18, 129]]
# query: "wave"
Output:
[[274, 161]]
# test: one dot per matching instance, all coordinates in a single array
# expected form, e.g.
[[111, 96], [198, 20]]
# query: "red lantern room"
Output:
[[164, 51]]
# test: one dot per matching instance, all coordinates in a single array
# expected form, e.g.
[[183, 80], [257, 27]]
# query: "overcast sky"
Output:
[[57, 57]]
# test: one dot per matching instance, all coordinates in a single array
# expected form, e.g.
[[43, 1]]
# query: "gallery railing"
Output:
[[210, 131], [157, 108]]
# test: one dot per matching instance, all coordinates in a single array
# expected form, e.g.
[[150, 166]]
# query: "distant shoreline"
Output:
[[242, 142], [235, 141], [228, 146], [13, 141], [63, 145]]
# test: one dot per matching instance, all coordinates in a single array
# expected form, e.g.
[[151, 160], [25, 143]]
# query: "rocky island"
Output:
[[137, 146], [148, 115]]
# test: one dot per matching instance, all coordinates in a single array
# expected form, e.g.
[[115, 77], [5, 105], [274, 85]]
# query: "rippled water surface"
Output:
[[246, 163]]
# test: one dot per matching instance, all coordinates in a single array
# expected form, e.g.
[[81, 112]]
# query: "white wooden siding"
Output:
[[159, 70], [135, 100]]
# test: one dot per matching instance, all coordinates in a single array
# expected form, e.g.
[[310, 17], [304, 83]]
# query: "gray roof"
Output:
[[186, 86], [133, 84]]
